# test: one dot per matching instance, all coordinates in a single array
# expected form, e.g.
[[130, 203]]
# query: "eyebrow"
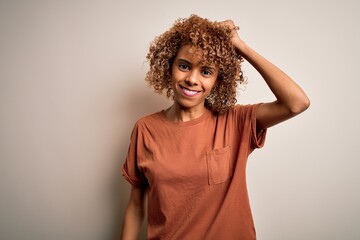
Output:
[[184, 60], [190, 63]]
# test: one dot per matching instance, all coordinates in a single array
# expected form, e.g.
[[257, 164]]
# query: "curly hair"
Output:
[[213, 39]]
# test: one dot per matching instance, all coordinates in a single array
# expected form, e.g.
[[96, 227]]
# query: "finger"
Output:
[[231, 25]]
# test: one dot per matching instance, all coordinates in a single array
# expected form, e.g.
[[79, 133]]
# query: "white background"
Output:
[[72, 86]]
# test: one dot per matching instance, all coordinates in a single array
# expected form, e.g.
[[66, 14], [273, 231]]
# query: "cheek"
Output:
[[173, 78], [211, 84], [177, 76]]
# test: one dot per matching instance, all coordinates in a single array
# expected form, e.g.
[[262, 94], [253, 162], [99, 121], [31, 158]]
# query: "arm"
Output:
[[290, 98], [134, 214]]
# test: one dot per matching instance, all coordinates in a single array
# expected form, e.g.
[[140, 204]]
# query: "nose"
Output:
[[192, 78]]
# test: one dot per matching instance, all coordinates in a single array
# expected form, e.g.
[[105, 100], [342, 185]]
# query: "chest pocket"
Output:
[[218, 165]]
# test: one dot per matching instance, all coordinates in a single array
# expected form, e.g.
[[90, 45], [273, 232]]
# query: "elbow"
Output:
[[300, 106]]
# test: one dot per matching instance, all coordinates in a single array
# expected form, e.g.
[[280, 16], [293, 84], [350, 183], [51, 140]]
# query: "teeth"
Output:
[[189, 92]]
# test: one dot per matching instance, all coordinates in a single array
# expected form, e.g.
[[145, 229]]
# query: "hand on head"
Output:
[[234, 29]]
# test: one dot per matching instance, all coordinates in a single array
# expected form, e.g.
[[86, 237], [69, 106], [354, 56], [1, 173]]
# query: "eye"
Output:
[[206, 72], [183, 66]]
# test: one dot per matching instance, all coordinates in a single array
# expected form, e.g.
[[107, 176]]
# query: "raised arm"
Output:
[[134, 214], [290, 98]]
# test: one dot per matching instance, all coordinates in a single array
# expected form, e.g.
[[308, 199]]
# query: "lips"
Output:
[[188, 92]]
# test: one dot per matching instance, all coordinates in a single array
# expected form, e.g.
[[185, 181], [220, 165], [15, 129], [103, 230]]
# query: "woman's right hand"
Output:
[[134, 214]]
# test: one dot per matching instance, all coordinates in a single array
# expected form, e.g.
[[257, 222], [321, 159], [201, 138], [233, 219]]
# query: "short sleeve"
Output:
[[130, 169], [258, 137], [246, 115]]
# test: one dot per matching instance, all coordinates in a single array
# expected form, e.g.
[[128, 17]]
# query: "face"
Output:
[[191, 80]]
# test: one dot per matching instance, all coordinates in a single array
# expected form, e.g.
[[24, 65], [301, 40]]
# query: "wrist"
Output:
[[240, 46]]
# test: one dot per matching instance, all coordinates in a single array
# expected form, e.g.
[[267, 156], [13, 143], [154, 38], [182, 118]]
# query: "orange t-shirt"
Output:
[[195, 173]]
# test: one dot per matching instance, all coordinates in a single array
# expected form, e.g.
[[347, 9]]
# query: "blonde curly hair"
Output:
[[213, 39]]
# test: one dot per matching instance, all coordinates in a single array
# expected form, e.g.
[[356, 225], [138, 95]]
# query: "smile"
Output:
[[188, 92]]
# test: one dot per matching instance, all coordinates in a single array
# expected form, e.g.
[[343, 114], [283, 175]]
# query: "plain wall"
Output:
[[72, 86]]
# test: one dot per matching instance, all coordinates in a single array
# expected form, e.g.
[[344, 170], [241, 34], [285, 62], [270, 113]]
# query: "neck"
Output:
[[177, 113]]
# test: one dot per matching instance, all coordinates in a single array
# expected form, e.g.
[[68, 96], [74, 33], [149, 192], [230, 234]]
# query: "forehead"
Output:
[[193, 54]]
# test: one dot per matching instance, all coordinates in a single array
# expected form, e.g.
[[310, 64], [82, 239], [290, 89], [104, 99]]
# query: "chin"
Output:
[[188, 105]]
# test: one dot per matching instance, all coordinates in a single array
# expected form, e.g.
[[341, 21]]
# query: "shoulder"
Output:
[[243, 109], [154, 119], [146, 124], [150, 117], [240, 113]]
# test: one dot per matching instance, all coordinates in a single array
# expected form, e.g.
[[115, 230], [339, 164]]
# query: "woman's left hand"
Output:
[[290, 98], [235, 38]]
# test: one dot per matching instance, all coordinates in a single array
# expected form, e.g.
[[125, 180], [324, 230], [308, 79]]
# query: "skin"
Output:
[[290, 101], [134, 214], [188, 73]]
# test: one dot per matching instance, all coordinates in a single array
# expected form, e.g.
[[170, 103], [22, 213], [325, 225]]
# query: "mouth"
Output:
[[188, 92]]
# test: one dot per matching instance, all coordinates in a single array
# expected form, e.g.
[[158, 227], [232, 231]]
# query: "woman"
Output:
[[190, 159]]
